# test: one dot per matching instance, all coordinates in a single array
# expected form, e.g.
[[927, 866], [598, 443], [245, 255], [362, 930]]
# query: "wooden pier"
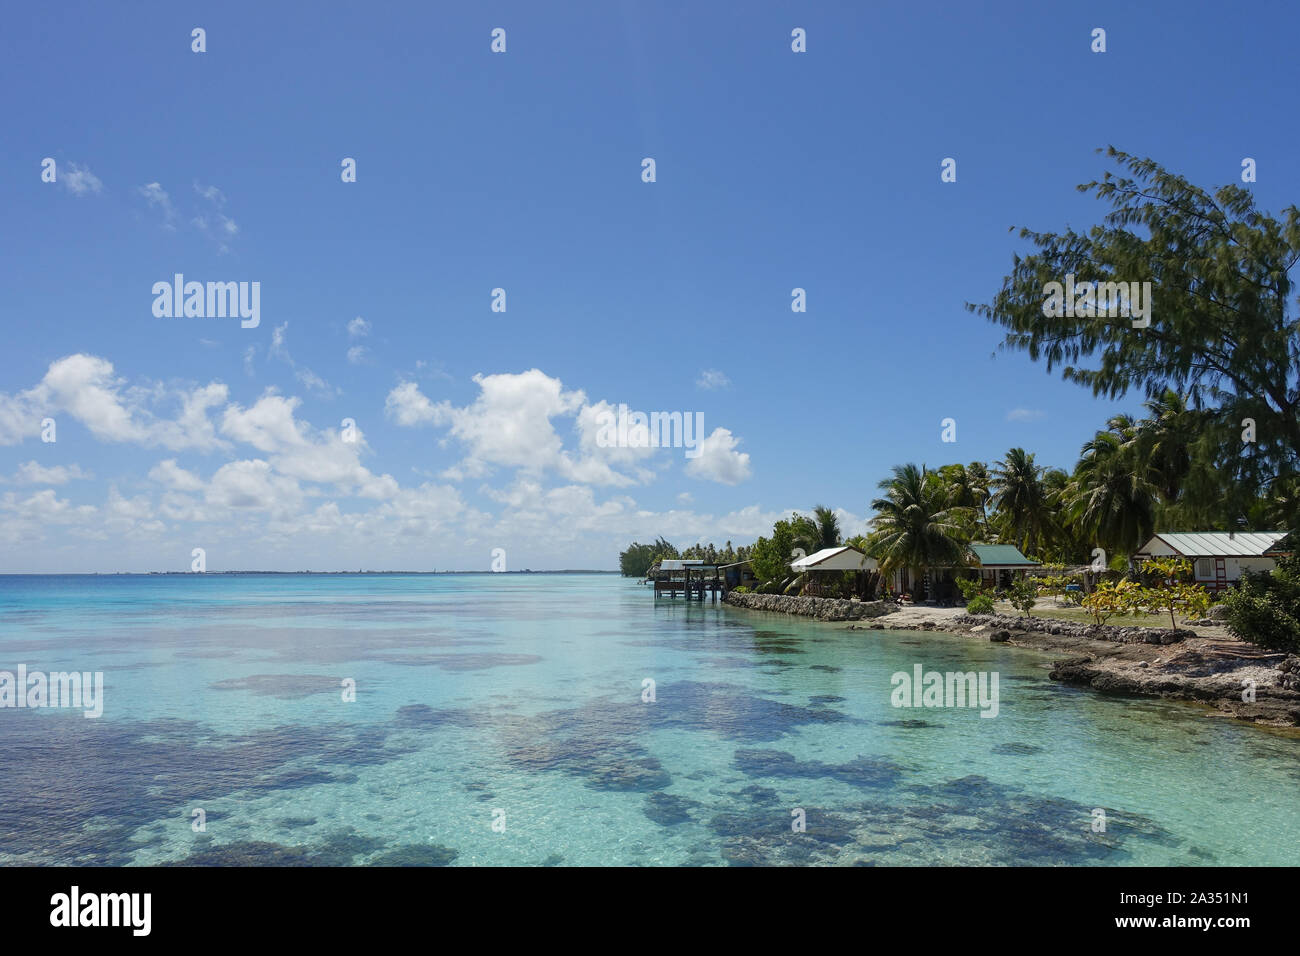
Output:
[[688, 579]]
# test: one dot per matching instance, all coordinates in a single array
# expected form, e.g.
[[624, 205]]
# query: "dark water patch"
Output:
[[859, 772], [726, 710], [829, 669], [667, 809], [416, 854], [1016, 749], [553, 860], [340, 848], [422, 715], [295, 823], [604, 763], [769, 838], [76, 790], [980, 822], [282, 686], [598, 740], [910, 723], [826, 699]]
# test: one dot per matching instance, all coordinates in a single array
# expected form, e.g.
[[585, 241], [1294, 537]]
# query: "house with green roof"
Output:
[[997, 565]]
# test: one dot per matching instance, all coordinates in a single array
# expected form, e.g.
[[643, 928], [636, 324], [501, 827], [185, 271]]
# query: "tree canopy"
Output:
[[1223, 332]]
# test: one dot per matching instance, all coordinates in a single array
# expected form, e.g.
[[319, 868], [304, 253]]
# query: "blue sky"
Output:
[[522, 171]]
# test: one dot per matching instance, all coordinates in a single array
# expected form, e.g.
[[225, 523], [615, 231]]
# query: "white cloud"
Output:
[[253, 485], [211, 193], [156, 196], [34, 473], [509, 425], [409, 407], [718, 459], [175, 477], [296, 450], [85, 388], [309, 379], [79, 180], [711, 378], [1025, 415], [358, 354], [358, 328]]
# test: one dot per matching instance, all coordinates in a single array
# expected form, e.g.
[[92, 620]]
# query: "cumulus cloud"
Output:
[[175, 477], [718, 459], [34, 473], [85, 388], [510, 425]]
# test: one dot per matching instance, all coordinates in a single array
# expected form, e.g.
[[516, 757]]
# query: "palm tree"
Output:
[[828, 527], [913, 527], [1112, 498], [1165, 438], [968, 487], [1021, 500]]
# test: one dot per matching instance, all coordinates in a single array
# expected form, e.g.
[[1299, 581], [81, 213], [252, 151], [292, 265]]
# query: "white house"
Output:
[[834, 559], [1218, 557]]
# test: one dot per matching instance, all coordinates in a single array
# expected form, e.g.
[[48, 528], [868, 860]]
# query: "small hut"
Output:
[[822, 564]]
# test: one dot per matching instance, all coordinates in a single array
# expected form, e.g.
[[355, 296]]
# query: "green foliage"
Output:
[[1024, 593], [969, 587], [1022, 500], [1190, 600], [1110, 598], [1265, 608], [1222, 325], [979, 604], [771, 556], [638, 558], [743, 589], [914, 526]]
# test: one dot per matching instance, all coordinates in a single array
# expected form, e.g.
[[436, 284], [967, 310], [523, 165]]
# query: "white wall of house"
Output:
[[1204, 568]]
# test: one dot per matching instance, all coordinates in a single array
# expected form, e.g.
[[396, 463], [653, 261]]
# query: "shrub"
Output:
[[1265, 608], [1110, 598], [1170, 594], [969, 587], [980, 604], [743, 589], [1024, 593]]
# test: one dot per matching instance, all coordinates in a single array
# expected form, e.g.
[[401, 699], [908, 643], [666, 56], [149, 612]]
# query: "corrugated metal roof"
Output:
[[834, 559], [675, 564], [1220, 544], [1001, 554]]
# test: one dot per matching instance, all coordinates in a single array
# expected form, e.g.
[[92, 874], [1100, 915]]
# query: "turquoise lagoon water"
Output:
[[518, 699]]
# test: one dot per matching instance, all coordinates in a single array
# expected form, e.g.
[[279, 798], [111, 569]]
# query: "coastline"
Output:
[[1206, 665]]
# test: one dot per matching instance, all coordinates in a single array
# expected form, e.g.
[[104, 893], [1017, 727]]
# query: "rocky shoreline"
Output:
[[1203, 664], [821, 609]]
